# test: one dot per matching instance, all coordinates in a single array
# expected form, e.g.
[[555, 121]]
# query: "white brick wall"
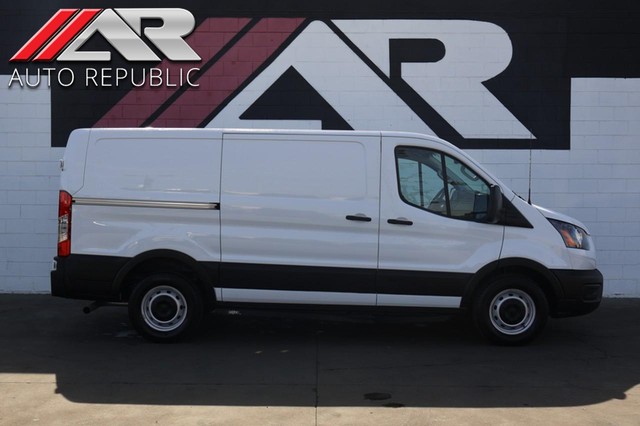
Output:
[[597, 181], [29, 179]]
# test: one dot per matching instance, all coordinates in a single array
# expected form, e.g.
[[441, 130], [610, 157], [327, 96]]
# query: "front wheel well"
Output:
[[538, 277]]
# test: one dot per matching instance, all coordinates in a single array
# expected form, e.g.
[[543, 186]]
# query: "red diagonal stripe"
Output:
[[43, 35], [229, 73], [66, 35], [140, 102]]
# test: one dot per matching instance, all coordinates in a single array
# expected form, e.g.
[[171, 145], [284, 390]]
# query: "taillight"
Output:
[[64, 224]]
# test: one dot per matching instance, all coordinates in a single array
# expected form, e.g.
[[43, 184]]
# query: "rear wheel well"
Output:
[[539, 278], [167, 265]]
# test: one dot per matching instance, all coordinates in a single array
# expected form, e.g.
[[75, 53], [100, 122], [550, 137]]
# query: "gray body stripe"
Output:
[[146, 203]]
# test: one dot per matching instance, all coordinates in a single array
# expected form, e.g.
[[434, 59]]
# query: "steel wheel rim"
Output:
[[512, 312], [164, 308]]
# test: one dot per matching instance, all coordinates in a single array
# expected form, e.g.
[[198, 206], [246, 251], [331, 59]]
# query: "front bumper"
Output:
[[582, 292]]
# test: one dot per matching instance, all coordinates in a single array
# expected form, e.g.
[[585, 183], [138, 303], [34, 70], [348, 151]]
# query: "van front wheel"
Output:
[[165, 308], [511, 310]]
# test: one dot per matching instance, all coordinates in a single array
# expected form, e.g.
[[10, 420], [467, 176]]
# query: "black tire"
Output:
[[511, 310], [165, 308]]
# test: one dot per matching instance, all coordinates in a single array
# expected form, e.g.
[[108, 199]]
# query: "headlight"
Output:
[[573, 236]]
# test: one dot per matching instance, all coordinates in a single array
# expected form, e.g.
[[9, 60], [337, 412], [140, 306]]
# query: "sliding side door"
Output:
[[300, 217]]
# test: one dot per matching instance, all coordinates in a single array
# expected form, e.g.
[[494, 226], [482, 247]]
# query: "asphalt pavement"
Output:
[[60, 366]]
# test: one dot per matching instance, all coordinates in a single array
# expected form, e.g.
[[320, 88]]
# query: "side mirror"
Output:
[[495, 204]]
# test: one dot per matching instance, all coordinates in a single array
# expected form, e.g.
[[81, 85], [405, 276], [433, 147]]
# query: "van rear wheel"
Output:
[[511, 310], [165, 308]]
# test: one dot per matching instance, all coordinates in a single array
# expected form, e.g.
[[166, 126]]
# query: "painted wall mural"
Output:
[[494, 78]]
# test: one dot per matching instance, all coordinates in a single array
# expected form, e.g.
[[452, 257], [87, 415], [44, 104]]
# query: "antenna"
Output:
[[530, 149]]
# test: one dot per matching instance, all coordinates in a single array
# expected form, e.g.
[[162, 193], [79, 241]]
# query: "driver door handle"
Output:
[[400, 221]]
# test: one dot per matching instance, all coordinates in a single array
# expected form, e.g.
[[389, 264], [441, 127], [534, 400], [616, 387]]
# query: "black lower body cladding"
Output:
[[87, 277], [582, 292], [95, 277]]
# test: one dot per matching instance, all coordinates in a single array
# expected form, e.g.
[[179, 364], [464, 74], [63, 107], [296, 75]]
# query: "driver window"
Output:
[[422, 174], [421, 179], [468, 194]]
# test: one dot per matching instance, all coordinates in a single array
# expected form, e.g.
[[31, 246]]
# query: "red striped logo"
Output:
[[68, 29], [43, 35]]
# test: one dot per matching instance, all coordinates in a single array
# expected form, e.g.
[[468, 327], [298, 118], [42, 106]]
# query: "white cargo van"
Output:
[[176, 222]]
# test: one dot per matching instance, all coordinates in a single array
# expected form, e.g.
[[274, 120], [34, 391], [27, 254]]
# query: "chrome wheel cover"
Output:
[[164, 308], [512, 312]]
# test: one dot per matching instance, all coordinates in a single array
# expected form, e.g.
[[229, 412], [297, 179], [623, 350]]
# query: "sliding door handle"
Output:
[[400, 221], [358, 217]]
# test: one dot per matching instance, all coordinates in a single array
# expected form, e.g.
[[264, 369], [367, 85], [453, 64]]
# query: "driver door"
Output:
[[433, 237]]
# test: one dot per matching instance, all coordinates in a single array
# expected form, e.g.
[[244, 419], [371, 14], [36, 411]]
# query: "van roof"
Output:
[[220, 131]]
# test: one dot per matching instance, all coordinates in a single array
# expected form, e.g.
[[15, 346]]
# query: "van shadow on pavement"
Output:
[[270, 359]]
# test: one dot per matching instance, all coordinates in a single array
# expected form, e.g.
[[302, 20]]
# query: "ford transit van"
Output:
[[177, 222]]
